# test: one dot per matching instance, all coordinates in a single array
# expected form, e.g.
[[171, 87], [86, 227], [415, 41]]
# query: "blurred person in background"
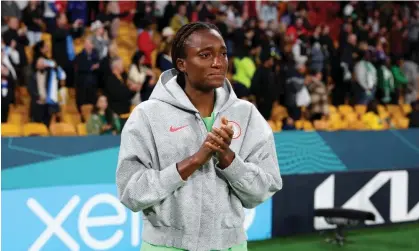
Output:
[[105, 64], [87, 64], [164, 60], [288, 124], [180, 18], [414, 115], [118, 90], [7, 92], [45, 84], [100, 39], [245, 67], [295, 83], [16, 38], [9, 9], [385, 81], [397, 36], [319, 93], [411, 70], [111, 18], [349, 53], [103, 121], [366, 79], [145, 42], [32, 17], [142, 76], [10, 58], [400, 80], [63, 45], [263, 84]]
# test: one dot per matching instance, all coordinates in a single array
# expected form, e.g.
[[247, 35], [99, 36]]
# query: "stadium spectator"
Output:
[[142, 76], [63, 46], [7, 91], [43, 88], [164, 60], [103, 121], [385, 81], [87, 63], [411, 70], [288, 124], [263, 84], [414, 115], [118, 89], [295, 84], [105, 64], [100, 39], [366, 79], [245, 67], [10, 58], [180, 18], [400, 80], [32, 17], [15, 38], [319, 93], [145, 42]]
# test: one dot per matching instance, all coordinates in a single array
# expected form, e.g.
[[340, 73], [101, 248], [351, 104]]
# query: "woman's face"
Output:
[[206, 60], [45, 49], [102, 103], [141, 60]]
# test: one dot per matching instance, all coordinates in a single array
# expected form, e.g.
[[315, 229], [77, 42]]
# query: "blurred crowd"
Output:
[[303, 56]]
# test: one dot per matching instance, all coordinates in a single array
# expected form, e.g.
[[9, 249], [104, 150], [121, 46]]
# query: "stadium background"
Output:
[[58, 193]]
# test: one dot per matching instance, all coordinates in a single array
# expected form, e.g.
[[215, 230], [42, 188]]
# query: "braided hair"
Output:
[[179, 41]]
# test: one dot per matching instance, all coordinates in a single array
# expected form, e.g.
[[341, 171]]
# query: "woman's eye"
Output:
[[204, 55], [224, 54]]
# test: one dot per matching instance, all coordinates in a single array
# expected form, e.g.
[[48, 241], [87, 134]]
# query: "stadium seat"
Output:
[[406, 108], [15, 118], [73, 119], [332, 109], [360, 109], [402, 123], [351, 117], [124, 116], [68, 108], [273, 125], [62, 129], [86, 110], [393, 109], [35, 129], [381, 109], [335, 117], [320, 125], [11, 130], [343, 109], [81, 129]]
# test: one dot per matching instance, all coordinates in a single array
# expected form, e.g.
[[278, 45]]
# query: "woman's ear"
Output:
[[180, 63]]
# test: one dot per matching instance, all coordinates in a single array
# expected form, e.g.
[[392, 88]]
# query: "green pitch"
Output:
[[394, 238]]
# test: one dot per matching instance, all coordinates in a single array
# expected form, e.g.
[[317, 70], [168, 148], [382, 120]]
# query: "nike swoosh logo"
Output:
[[175, 129]]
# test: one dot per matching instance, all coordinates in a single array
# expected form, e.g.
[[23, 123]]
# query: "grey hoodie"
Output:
[[205, 212]]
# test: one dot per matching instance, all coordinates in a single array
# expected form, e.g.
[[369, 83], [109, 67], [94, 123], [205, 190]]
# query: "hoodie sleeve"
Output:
[[140, 180], [254, 173]]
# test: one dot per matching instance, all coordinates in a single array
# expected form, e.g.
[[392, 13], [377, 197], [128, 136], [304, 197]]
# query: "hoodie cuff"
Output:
[[171, 177], [238, 170]]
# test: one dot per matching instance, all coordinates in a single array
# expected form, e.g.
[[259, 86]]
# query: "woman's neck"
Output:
[[203, 101], [101, 112]]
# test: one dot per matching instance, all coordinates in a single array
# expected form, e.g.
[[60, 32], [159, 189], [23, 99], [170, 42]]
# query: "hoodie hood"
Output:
[[169, 91]]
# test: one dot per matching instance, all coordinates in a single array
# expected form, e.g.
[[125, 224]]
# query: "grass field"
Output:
[[403, 237]]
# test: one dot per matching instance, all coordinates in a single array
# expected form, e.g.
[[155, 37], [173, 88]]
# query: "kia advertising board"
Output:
[[392, 196]]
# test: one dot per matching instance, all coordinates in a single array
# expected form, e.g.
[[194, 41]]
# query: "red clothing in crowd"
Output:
[[294, 32], [146, 45]]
